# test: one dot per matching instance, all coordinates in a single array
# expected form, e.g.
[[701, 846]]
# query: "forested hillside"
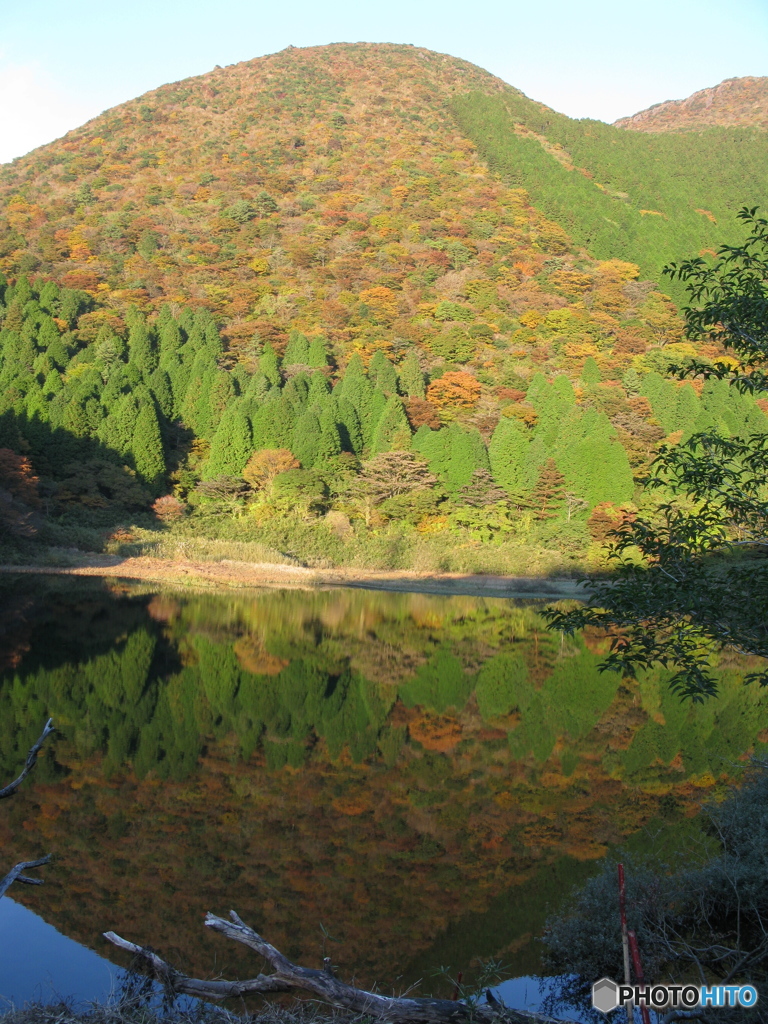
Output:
[[736, 102], [290, 300], [648, 198]]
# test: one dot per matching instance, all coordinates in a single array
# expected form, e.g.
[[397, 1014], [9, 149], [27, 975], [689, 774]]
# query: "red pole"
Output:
[[637, 964], [625, 941]]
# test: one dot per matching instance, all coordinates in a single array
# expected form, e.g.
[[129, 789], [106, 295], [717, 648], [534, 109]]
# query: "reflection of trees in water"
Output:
[[419, 798], [282, 673]]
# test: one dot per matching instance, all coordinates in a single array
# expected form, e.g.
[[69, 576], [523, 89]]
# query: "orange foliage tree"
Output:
[[455, 388], [263, 466]]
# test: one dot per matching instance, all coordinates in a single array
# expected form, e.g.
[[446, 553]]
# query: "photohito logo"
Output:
[[607, 995]]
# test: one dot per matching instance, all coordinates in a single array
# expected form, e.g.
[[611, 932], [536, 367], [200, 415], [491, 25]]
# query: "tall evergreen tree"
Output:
[[232, 444], [350, 430], [392, 430], [411, 377], [317, 355], [269, 365], [453, 454], [590, 372], [160, 386], [382, 373], [510, 456], [319, 390], [147, 446], [330, 437], [357, 389], [170, 337], [297, 350], [305, 443], [141, 350]]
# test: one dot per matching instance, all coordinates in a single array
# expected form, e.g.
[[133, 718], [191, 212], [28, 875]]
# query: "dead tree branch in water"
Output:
[[16, 872], [322, 984], [30, 763]]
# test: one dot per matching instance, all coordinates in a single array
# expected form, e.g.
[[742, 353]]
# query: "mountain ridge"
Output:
[[734, 102]]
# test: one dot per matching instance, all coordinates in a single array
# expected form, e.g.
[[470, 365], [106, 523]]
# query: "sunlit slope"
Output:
[[736, 102], [248, 179], [649, 199]]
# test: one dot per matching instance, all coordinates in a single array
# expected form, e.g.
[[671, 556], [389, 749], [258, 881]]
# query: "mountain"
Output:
[[736, 102], [342, 253]]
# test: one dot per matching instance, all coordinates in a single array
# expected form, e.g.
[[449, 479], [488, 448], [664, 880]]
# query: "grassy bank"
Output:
[[139, 1012]]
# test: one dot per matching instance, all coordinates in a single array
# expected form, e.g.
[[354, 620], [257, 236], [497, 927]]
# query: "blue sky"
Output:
[[64, 61]]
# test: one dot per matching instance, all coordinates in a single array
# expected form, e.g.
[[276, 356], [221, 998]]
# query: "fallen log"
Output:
[[321, 984]]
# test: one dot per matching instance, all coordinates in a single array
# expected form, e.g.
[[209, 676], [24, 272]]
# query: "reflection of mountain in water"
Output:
[[389, 766]]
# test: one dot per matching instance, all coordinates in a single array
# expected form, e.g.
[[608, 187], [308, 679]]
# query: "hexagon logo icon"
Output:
[[605, 995]]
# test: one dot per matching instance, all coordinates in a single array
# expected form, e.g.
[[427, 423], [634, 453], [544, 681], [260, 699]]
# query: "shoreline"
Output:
[[228, 574]]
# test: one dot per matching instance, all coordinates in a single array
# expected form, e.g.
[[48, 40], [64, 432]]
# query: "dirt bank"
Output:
[[229, 575]]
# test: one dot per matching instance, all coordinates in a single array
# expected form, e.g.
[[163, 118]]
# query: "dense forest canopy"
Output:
[[272, 288]]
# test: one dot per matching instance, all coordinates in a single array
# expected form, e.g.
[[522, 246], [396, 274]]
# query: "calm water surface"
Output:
[[401, 782]]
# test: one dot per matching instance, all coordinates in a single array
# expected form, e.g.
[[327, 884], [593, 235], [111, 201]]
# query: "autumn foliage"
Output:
[[455, 388], [263, 466]]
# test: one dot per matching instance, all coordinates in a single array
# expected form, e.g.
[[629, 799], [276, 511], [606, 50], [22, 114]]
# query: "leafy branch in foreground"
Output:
[[690, 577]]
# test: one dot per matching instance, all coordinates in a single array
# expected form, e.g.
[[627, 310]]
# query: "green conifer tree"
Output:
[[47, 333], [49, 297], [147, 446], [269, 365], [305, 443], [590, 372], [75, 420], [297, 350], [160, 386], [170, 337], [382, 374], [317, 355], [53, 384], [392, 430], [319, 390], [467, 454], [411, 377], [330, 437], [232, 444], [510, 456], [220, 394], [662, 395], [141, 350], [350, 430], [537, 386], [632, 381], [258, 389], [687, 410], [357, 389]]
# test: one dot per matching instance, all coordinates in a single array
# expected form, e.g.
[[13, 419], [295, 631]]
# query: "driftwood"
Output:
[[16, 872], [321, 984]]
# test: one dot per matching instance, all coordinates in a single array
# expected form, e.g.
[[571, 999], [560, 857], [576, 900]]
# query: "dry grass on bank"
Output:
[[120, 1012]]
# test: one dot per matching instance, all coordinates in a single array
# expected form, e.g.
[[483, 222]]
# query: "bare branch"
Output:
[[322, 984], [180, 984], [15, 874], [30, 763]]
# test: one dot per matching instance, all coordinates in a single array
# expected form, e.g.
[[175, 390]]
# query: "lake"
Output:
[[402, 782]]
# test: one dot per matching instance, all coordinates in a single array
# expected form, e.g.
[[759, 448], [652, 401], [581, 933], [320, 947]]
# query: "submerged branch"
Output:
[[321, 984], [30, 763], [15, 874]]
